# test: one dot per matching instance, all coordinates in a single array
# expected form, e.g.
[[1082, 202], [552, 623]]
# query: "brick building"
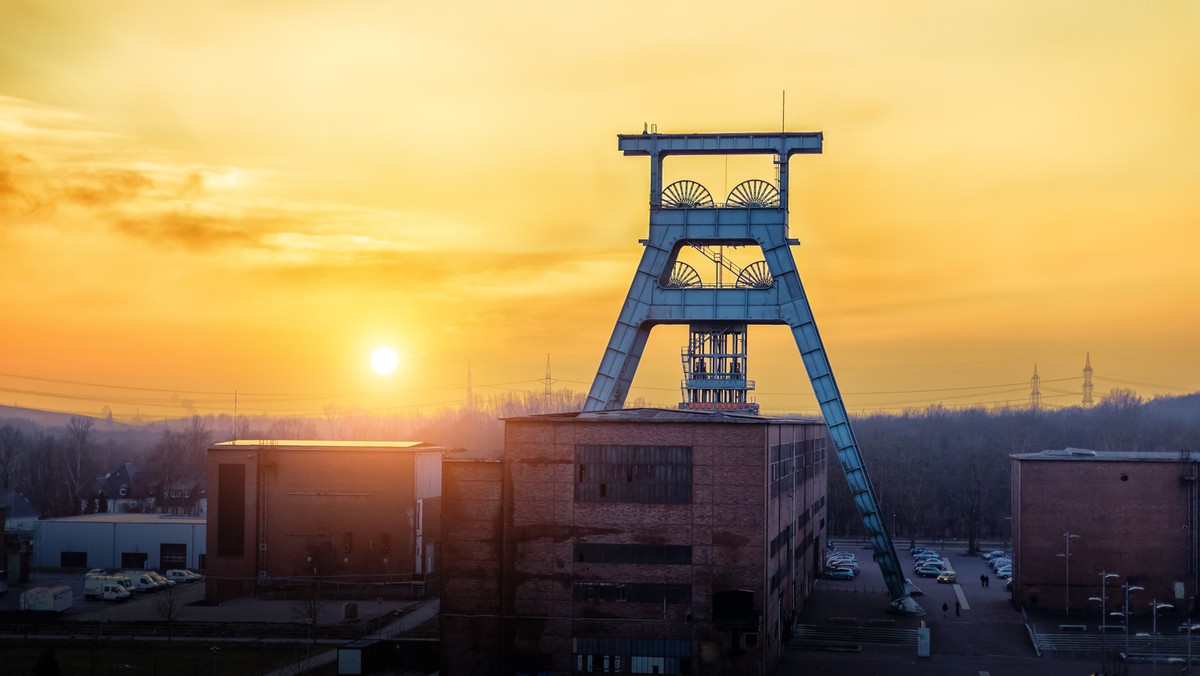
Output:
[[286, 513], [1133, 514], [631, 541]]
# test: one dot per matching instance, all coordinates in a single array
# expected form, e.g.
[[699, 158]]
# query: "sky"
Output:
[[203, 199]]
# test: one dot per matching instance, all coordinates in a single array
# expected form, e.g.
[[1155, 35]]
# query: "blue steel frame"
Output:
[[649, 303]]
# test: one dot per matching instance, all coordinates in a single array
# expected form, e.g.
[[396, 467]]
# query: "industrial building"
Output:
[[120, 541], [328, 513], [1079, 515], [632, 541]]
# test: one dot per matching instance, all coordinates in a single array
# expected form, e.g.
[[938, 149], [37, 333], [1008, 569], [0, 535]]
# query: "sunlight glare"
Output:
[[384, 360]]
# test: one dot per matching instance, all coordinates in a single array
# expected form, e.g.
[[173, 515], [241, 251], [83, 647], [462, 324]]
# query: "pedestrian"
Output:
[[957, 609], [945, 609], [982, 580], [987, 580]]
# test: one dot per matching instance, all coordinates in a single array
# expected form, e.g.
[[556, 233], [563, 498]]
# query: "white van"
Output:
[[141, 581], [103, 588]]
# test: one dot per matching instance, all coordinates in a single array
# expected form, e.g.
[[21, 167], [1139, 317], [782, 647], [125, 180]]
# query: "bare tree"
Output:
[[169, 607], [12, 449], [77, 470]]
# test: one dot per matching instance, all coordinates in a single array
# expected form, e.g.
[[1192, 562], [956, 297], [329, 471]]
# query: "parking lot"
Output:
[[985, 637]]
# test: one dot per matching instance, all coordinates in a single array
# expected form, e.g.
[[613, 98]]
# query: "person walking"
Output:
[[945, 609], [982, 580], [957, 609]]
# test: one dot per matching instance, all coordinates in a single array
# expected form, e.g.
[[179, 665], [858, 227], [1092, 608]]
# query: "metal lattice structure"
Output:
[[663, 292]]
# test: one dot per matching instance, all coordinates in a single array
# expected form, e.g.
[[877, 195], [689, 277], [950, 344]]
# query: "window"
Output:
[[231, 509], [632, 592], [620, 553], [639, 474]]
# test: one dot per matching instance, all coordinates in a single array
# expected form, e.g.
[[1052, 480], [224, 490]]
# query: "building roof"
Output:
[[667, 415], [131, 518], [328, 445], [1085, 455]]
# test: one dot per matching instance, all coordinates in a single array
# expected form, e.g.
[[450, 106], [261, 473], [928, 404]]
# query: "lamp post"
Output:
[[379, 617], [1190, 627], [1103, 599], [1066, 557], [1154, 607], [1128, 588], [215, 650]]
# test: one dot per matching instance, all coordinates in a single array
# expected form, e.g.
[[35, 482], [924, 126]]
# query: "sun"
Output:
[[384, 360]]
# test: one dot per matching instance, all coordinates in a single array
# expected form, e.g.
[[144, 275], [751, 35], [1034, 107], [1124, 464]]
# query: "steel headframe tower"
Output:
[[754, 214]]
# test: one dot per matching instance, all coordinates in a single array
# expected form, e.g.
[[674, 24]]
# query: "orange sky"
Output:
[[198, 198]]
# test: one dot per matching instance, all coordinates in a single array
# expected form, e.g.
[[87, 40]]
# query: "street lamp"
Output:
[[1128, 588], [1066, 556], [1154, 607], [1190, 627], [1103, 599], [215, 650], [379, 617]]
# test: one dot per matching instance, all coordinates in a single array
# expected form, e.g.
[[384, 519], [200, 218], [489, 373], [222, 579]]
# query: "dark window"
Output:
[[653, 554], [172, 556], [642, 474], [633, 592], [72, 560], [231, 509]]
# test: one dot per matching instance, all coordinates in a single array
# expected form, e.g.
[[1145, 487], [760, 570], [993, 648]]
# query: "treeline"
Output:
[[57, 467], [939, 473]]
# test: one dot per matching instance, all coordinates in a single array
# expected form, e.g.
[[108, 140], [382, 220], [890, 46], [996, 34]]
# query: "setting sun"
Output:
[[384, 360]]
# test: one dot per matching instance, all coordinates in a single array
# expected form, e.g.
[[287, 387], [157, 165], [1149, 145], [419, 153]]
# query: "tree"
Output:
[[12, 449], [169, 608], [77, 469]]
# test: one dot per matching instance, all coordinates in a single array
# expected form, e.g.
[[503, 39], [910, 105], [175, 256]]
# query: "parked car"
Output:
[[1004, 573], [947, 576], [180, 575], [839, 574], [161, 579], [999, 563], [929, 571], [988, 556]]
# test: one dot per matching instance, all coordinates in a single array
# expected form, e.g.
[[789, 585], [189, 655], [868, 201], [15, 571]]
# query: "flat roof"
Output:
[[132, 518], [1087, 455], [328, 445], [668, 415]]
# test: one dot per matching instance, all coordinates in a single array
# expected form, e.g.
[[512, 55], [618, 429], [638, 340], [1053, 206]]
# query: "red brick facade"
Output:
[[1134, 515], [632, 540], [284, 513]]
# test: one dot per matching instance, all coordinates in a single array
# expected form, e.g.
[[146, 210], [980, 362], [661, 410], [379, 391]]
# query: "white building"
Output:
[[121, 541]]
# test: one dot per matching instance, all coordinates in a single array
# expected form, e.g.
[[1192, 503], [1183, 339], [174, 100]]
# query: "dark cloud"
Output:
[[19, 192], [191, 231], [106, 188]]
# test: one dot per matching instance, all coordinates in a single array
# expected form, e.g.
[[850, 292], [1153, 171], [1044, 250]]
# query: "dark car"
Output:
[[839, 574]]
